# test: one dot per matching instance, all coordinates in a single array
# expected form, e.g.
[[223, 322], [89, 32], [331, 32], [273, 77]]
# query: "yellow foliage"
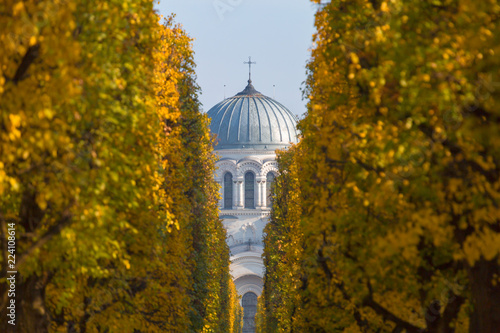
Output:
[[399, 173], [99, 119]]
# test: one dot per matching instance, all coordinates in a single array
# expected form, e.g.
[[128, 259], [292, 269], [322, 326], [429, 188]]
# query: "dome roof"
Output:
[[252, 120]]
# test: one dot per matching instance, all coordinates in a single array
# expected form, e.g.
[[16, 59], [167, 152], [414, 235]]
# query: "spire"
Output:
[[249, 89]]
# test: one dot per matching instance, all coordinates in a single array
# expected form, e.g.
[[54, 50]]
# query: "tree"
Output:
[[191, 166], [279, 303], [75, 98], [400, 177], [95, 98]]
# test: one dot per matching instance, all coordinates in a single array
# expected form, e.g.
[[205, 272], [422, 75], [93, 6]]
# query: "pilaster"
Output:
[[239, 193], [263, 193]]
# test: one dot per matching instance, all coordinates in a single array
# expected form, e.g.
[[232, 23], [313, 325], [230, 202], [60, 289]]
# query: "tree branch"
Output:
[[388, 315], [362, 323], [491, 176], [451, 311], [64, 221], [29, 57], [369, 167]]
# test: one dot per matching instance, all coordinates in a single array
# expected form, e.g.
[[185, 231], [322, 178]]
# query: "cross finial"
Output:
[[249, 62]]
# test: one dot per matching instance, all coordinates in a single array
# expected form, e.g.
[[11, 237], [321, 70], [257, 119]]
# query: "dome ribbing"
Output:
[[252, 120]]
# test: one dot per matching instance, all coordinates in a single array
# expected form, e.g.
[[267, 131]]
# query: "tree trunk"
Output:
[[485, 297], [32, 316]]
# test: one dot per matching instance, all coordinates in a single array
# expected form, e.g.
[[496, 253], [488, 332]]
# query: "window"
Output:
[[228, 190], [249, 303], [249, 190], [269, 183]]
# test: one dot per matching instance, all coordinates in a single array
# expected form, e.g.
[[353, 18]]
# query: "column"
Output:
[[258, 202], [241, 192], [235, 194], [263, 194]]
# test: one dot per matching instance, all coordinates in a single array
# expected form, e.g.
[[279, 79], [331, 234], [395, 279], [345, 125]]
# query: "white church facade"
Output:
[[249, 127]]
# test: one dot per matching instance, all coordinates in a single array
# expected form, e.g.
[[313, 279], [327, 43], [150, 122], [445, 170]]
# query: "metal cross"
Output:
[[249, 62]]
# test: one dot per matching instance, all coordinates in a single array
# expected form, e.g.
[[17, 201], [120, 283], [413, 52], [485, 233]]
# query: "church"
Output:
[[249, 127]]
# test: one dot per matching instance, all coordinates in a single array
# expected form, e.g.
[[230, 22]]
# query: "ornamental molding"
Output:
[[247, 151], [235, 244], [264, 213], [269, 166], [240, 279], [255, 259], [249, 159], [257, 290], [245, 166], [225, 166]]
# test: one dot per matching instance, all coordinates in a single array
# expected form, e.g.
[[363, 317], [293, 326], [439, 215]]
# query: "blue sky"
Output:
[[276, 33]]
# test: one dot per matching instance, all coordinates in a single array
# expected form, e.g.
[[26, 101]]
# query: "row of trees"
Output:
[[386, 215], [106, 174]]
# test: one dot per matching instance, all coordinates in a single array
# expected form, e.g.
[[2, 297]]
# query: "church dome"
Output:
[[252, 120]]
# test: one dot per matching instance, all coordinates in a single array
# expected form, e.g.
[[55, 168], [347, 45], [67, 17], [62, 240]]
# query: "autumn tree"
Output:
[[96, 99], [73, 89], [279, 302], [189, 180], [400, 170]]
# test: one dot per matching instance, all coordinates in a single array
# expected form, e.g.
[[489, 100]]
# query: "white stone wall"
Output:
[[245, 226]]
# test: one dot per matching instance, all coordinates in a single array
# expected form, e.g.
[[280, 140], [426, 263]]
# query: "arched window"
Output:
[[269, 183], [249, 190], [249, 303], [228, 190]]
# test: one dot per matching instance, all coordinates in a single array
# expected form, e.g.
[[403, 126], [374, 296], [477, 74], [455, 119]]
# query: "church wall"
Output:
[[245, 226]]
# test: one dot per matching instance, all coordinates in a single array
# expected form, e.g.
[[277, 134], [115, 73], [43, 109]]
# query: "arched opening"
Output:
[[249, 190], [269, 183], [228, 190], [249, 303]]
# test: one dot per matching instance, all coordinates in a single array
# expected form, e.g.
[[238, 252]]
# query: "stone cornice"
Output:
[[256, 259], [241, 212], [248, 152]]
